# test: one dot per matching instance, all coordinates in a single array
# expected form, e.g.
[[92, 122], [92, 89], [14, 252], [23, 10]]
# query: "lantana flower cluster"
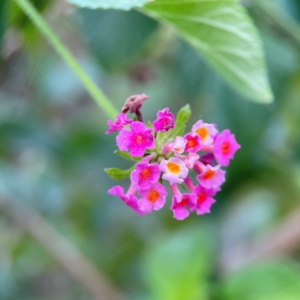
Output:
[[167, 158]]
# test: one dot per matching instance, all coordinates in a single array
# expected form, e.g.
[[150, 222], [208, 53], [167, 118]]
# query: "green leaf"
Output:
[[176, 266], [224, 34], [109, 4], [120, 49], [149, 124], [127, 156], [182, 117], [272, 281], [118, 174]]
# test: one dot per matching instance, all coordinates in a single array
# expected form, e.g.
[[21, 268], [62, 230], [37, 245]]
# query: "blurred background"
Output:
[[63, 237]]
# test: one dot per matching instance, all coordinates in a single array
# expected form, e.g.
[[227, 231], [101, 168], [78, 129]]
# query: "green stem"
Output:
[[69, 59]]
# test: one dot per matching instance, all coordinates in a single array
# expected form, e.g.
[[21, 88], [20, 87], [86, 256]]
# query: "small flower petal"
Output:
[[193, 143], [144, 175], [204, 199], [180, 205], [191, 159], [153, 197], [205, 131], [130, 201], [118, 124], [164, 121], [174, 170], [178, 145], [211, 177], [136, 140], [225, 147]]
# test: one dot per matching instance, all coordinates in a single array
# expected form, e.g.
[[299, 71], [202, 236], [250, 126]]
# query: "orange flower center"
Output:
[[201, 197], [202, 132], [145, 173], [209, 174], [173, 167], [225, 148], [139, 139], [153, 195]]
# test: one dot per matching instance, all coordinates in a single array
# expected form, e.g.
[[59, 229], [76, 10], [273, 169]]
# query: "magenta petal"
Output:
[[213, 181], [180, 203], [131, 201], [145, 206], [153, 198], [118, 124], [180, 213], [161, 201], [123, 139], [193, 143], [225, 147], [139, 139], [204, 208], [117, 191], [145, 175], [164, 121]]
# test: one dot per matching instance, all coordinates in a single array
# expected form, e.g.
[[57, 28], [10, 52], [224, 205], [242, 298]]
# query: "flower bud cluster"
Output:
[[168, 158]]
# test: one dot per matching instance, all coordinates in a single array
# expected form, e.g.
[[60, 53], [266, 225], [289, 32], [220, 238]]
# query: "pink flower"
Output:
[[191, 159], [204, 200], [118, 124], [129, 199], [211, 177], [178, 145], [144, 175], [174, 169], [164, 121], [205, 131], [152, 198], [225, 147], [193, 143], [136, 140], [181, 203]]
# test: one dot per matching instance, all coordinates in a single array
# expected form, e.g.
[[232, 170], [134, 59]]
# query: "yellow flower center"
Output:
[[173, 167], [202, 132]]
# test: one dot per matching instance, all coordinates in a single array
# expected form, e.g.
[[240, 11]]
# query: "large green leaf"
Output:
[[223, 33], [177, 266], [124, 35], [272, 281], [106, 4]]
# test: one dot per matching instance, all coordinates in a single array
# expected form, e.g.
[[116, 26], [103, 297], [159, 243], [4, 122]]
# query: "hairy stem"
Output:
[[69, 59]]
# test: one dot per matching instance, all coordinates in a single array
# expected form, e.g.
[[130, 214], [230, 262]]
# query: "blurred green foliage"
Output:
[[53, 151], [280, 280]]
